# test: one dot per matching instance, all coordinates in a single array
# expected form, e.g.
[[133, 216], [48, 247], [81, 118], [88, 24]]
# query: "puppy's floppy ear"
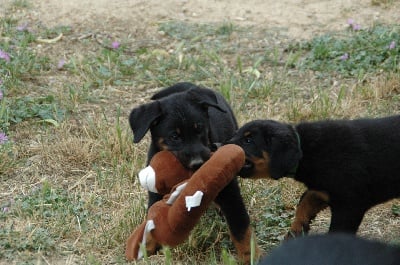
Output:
[[205, 97], [142, 117], [285, 153]]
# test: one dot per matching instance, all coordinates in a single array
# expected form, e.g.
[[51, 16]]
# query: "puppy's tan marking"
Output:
[[309, 206], [261, 166]]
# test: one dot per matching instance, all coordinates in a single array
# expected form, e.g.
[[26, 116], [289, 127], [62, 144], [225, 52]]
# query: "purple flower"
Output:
[[392, 45], [350, 21], [60, 64], [4, 55], [344, 57], [115, 44], [3, 138], [353, 25], [6, 209], [356, 27], [1, 94], [23, 27]]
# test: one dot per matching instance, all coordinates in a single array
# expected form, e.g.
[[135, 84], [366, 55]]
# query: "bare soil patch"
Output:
[[298, 18]]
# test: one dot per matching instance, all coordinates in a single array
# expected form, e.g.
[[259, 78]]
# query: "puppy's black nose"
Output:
[[215, 146]]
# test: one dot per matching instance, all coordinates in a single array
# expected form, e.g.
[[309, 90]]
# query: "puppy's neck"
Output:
[[293, 171]]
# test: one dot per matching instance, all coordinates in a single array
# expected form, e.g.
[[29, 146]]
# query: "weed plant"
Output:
[[353, 53]]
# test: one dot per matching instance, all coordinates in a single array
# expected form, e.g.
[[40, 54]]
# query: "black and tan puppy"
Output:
[[187, 120], [348, 165], [333, 249]]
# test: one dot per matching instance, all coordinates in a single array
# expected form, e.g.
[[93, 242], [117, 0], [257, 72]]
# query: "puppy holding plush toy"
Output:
[[170, 220]]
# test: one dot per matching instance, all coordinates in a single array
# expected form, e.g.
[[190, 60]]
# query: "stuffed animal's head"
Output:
[[163, 173]]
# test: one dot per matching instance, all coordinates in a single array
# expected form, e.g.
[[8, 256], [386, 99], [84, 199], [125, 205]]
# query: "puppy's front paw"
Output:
[[245, 253], [297, 229]]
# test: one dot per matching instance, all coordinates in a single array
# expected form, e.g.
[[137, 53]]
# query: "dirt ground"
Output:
[[298, 18]]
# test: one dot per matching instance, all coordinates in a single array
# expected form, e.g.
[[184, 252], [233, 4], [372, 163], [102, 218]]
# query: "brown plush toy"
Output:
[[170, 220], [163, 173]]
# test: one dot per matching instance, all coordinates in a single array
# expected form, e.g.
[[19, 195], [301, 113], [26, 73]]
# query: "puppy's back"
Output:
[[333, 249]]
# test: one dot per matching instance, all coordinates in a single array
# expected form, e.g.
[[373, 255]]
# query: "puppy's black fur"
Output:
[[348, 165], [187, 119], [333, 249]]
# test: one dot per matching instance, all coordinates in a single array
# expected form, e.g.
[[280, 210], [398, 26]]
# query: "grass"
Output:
[[69, 190], [352, 53]]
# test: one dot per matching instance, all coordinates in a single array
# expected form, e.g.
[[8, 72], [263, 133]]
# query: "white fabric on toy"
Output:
[[147, 178], [147, 229], [176, 193], [194, 200]]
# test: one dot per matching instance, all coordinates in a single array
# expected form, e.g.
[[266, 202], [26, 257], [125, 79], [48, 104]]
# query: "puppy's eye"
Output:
[[174, 136], [247, 140]]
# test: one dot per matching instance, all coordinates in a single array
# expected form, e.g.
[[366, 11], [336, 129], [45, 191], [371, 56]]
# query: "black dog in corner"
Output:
[[333, 249], [187, 120], [348, 165]]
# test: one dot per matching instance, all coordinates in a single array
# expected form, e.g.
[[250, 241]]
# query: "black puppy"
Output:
[[333, 249], [348, 165], [187, 119]]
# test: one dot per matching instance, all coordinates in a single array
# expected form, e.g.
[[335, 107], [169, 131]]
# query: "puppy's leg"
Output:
[[346, 219], [311, 203], [234, 210]]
